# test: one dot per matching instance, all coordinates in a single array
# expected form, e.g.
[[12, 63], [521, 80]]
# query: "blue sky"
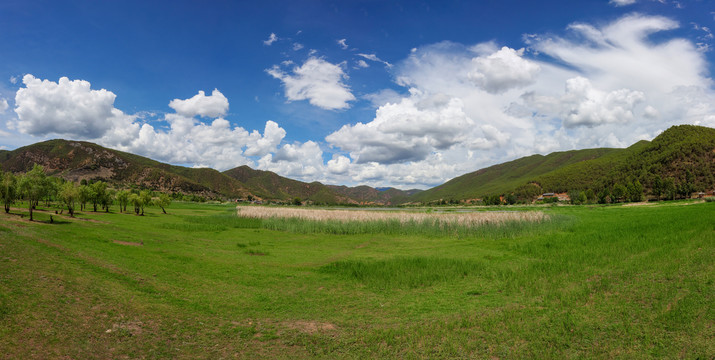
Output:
[[385, 93]]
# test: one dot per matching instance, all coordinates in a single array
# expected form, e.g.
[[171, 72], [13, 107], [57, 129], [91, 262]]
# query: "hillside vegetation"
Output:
[[683, 155], [679, 161], [79, 160]]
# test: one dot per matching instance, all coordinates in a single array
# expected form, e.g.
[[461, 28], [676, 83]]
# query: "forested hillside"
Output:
[[676, 163]]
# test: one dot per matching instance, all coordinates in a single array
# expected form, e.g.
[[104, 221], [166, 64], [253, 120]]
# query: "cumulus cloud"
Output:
[[299, 161], [318, 81], [406, 131], [584, 105], [67, 107], [72, 108], [272, 137], [211, 106], [503, 70], [600, 85], [339, 164]]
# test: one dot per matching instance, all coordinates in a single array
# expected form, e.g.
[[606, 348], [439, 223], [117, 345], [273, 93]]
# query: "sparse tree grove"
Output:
[[35, 186]]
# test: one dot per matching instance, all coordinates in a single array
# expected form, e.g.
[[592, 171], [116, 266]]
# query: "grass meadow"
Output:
[[202, 282]]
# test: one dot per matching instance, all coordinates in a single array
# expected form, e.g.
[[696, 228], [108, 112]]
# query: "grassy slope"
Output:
[[269, 185], [60, 156], [507, 176], [677, 150], [601, 282]]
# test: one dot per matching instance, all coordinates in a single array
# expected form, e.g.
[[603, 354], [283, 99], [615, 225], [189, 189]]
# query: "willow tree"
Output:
[[162, 201], [8, 189], [33, 186], [69, 193]]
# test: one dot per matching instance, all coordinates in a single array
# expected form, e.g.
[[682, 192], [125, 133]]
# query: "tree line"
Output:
[[35, 186]]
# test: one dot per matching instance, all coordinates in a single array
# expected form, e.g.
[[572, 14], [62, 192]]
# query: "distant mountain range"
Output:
[[683, 153], [79, 160]]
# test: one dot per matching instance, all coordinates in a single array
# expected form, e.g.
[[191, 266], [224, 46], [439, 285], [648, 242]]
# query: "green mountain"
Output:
[[368, 195], [79, 160], [269, 185], [685, 153]]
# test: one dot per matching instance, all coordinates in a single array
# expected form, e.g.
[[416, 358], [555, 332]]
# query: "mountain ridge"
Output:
[[683, 153]]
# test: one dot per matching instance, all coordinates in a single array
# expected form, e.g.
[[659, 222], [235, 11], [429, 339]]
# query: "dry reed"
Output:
[[470, 219]]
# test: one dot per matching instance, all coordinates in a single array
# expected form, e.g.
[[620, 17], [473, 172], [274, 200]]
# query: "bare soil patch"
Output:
[[310, 327], [128, 243]]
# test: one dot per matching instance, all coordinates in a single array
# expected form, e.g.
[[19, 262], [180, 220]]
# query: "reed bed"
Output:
[[403, 217], [483, 224]]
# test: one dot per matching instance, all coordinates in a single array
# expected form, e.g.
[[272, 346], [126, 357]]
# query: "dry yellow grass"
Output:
[[463, 219]]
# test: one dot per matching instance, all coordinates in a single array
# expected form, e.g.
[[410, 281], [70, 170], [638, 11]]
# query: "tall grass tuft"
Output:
[[405, 272]]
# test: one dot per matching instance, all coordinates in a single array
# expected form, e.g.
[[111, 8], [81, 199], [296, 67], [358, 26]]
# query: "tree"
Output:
[[669, 188], [136, 201], [619, 192], [297, 202], [162, 201], [604, 196], [8, 189], [97, 193], [657, 187], [84, 194], [107, 199], [145, 197], [635, 191], [69, 193], [123, 199], [32, 186], [528, 192]]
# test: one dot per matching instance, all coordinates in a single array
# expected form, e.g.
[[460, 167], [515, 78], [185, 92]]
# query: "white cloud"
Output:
[[361, 64], [298, 161], [13, 79], [407, 131], [68, 108], [503, 70], [272, 137], [383, 97], [339, 164], [271, 39], [462, 107], [211, 106], [583, 105], [318, 81], [373, 57], [343, 44], [71, 108], [3, 106], [297, 46], [622, 2], [608, 85]]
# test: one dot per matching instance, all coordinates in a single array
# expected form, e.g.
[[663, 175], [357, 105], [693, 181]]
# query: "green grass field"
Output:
[[591, 282]]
